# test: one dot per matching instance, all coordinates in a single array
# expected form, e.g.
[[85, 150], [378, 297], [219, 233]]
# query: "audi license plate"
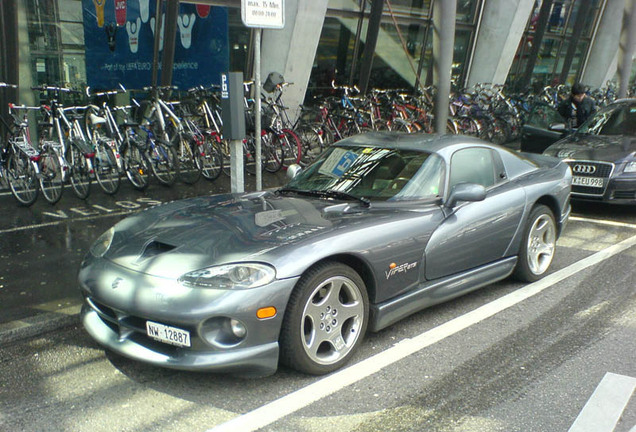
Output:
[[168, 334], [587, 181]]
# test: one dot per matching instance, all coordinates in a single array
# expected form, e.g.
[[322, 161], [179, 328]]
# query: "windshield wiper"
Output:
[[344, 196]]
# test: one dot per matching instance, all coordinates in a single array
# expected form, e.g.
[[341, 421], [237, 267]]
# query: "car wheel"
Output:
[[537, 248], [326, 319]]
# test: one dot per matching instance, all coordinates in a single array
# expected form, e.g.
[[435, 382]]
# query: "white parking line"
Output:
[[603, 222], [603, 410], [305, 396], [46, 224]]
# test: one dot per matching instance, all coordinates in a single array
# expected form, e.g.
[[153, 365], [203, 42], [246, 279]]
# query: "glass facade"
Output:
[[551, 64], [52, 44]]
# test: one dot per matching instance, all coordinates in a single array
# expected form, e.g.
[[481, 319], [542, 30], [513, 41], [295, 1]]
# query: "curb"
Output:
[[38, 324]]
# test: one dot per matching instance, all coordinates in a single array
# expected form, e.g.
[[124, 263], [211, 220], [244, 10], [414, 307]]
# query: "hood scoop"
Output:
[[154, 248]]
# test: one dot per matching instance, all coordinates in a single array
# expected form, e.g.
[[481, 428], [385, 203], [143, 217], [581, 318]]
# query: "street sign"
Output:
[[263, 13]]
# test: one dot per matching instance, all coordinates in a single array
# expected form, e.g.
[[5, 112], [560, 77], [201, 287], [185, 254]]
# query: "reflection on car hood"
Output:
[[185, 235], [607, 148]]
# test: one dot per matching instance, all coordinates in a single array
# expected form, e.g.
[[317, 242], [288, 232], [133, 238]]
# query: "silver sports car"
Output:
[[381, 226]]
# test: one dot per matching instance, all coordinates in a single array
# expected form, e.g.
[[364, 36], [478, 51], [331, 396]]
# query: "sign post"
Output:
[[260, 14], [233, 116]]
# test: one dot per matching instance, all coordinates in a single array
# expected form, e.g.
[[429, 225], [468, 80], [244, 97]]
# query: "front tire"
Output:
[[537, 248], [326, 319]]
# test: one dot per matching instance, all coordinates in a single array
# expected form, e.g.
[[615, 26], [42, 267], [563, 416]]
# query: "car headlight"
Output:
[[230, 276], [630, 167], [101, 245]]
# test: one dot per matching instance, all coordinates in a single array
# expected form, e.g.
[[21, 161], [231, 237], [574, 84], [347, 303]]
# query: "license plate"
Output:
[[168, 334], [588, 181]]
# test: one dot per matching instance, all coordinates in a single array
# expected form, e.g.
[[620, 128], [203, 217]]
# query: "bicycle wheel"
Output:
[[80, 172], [293, 147], [249, 155], [273, 151], [136, 166], [106, 170], [225, 153], [22, 178], [211, 159], [312, 141], [51, 175], [163, 162], [189, 166]]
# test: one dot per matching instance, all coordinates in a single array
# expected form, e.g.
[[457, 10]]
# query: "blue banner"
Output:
[[119, 39]]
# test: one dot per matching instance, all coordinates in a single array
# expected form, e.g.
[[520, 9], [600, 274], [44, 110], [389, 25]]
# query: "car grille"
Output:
[[625, 194], [591, 169], [134, 328]]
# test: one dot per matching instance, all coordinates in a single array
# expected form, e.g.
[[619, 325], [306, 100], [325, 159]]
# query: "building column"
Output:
[[627, 47], [291, 51], [603, 55], [8, 53], [502, 26], [444, 13]]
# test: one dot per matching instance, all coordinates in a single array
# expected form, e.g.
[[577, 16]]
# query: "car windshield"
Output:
[[619, 119], [372, 173]]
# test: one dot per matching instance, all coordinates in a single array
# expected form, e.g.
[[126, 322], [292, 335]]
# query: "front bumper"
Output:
[[618, 191], [119, 301]]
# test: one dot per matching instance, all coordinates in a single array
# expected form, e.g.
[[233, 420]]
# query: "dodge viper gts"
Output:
[[380, 226]]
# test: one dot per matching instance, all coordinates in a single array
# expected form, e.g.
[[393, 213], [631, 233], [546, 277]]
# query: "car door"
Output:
[[536, 135], [476, 233]]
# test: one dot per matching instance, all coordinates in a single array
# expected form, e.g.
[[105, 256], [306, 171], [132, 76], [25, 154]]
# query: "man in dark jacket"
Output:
[[578, 107]]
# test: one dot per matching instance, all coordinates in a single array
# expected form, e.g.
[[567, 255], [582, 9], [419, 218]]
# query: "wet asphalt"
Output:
[[42, 246]]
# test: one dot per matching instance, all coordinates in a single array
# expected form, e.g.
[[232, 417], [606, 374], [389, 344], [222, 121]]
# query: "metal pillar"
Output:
[[155, 59], [8, 53], [257, 109], [369, 45], [581, 17], [627, 47], [443, 45], [539, 32], [169, 42]]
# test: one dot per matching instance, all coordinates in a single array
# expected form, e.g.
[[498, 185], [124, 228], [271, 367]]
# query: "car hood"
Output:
[[172, 239], [607, 148]]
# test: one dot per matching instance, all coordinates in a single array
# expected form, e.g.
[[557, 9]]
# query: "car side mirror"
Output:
[[558, 127], [293, 170], [465, 192]]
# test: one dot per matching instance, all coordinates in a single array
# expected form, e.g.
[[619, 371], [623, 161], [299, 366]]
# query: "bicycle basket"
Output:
[[273, 79]]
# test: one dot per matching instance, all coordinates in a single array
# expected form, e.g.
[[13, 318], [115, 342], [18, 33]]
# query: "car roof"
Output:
[[432, 143]]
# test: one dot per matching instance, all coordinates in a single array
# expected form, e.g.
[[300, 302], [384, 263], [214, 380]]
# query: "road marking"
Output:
[[603, 222], [47, 224], [286, 405], [603, 410]]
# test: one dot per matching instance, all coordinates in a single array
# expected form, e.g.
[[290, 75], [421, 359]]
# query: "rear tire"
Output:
[[106, 169], [51, 175], [211, 160], [164, 163], [80, 174], [136, 166], [22, 178]]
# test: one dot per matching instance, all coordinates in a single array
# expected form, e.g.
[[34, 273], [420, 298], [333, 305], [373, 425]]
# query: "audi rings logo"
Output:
[[583, 169]]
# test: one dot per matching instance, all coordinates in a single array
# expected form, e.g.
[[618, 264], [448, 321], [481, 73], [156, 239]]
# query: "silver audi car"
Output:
[[380, 226], [602, 155]]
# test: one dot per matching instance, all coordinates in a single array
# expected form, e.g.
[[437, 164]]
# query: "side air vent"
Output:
[[155, 248]]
